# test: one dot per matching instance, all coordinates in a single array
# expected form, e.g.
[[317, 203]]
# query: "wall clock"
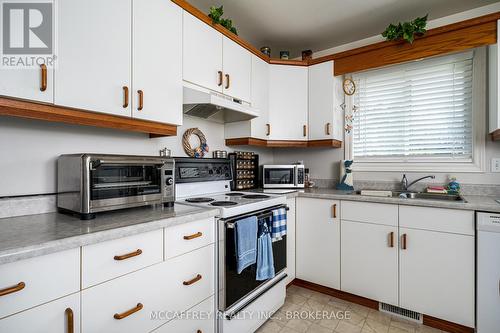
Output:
[[349, 87]]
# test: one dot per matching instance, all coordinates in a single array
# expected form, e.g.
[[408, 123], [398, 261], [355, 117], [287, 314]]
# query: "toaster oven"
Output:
[[92, 183]]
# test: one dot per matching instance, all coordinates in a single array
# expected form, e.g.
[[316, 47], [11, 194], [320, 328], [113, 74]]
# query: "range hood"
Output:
[[203, 103]]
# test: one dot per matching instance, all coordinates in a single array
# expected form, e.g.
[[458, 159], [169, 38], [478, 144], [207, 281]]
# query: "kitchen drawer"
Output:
[[187, 237], [200, 318], [189, 279], [53, 317], [437, 219], [39, 280], [108, 260], [138, 293], [370, 212]]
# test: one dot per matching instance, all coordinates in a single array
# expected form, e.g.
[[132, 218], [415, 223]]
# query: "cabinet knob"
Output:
[[127, 313], [70, 322], [219, 83], [18, 287], [125, 97], [140, 93], [228, 82], [43, 82], [128, 255], [403, 242]]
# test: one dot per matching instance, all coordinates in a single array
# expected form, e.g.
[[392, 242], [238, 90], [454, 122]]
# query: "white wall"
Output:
[[29, 149]]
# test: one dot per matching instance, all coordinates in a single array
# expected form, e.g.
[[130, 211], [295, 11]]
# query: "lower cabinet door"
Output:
[[318, 241], [58, 316], [200, 318], [369, 261], [437, 274]]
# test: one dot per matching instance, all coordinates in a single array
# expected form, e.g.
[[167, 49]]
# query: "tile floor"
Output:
[[362, 319]]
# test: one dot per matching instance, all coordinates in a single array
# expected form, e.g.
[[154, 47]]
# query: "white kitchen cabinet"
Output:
[[156, 93], [202, 54], [257, 127], [325, 100], [494, 86], [94, 55], [288, 102], [318, 241], [187, 237], [290, 240], [237, 67], [26, 83], [369, 264], [436, 274], [54, 317]]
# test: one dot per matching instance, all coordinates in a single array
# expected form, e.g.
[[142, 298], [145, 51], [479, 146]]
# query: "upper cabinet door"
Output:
[[157, 61], [237, 65], [94, 71], [26, 83], [325, 100], [288, 102], [260, 97], [202, 54]]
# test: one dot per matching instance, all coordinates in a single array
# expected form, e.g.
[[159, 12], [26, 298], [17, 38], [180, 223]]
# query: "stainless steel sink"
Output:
[[429, 196]]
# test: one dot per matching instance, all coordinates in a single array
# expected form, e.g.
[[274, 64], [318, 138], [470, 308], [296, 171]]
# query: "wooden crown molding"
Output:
[[284, 143], [450, 38], [495, 136], [32, 110]]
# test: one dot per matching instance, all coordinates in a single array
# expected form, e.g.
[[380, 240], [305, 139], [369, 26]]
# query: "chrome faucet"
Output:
[[405, 185]]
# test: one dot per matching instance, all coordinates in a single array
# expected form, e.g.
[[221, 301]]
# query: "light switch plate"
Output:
[[495, 165]]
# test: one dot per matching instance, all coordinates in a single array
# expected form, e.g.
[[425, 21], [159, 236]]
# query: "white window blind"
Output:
[[415, 112]]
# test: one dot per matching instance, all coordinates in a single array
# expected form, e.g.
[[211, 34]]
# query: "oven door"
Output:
[[279, 176], [234, 287], [113, 183]]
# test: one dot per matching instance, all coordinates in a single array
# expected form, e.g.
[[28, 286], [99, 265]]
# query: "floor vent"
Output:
[[401, 313]]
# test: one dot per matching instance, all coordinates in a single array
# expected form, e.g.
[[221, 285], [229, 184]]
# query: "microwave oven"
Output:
[[92, 183], [283, 176]]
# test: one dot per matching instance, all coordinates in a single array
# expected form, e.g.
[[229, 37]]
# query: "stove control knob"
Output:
[[169, 181]]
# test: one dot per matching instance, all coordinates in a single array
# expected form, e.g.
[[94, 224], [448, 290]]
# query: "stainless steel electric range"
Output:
[[243, 302]]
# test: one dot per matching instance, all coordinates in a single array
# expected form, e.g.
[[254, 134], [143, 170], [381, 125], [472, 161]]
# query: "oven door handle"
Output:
[[99, 162], [263, 213], [253, 299]]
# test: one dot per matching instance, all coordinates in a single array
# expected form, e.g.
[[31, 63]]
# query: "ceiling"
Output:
[[297, 25]]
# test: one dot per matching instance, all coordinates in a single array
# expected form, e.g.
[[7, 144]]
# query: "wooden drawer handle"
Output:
[[194, 280], [328, 126], [125, 314], [304, 130], [199, 331], [193, 236], [227, 81], [403, 242], [125, 96], [268, 129], [14, 289], [219, 73], [334, 211], [141, 100], [43, 82], [391, 239], [129, 255], [70, 320]]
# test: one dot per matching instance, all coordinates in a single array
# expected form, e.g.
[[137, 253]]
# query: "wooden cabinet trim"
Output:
[[248, 141], [495, 136], [54, 113]]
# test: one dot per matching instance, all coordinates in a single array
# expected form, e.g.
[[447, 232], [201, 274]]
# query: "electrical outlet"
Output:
[[495, 165]]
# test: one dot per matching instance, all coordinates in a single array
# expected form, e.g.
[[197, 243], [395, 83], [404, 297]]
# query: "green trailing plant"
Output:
[[406, 30], [216, 16]]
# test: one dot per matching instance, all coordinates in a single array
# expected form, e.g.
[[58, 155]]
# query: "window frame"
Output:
[[479, 106]]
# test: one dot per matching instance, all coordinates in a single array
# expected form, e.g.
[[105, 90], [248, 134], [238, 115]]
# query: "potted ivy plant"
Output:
[[406, 30], [216, 15]]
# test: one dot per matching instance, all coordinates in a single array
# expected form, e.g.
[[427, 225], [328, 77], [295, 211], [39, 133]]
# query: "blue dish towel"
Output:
[[265, 260], [245, 242], [278, 224]]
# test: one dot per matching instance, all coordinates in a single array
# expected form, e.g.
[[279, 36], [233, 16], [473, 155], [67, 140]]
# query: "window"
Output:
[[417, 114]]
